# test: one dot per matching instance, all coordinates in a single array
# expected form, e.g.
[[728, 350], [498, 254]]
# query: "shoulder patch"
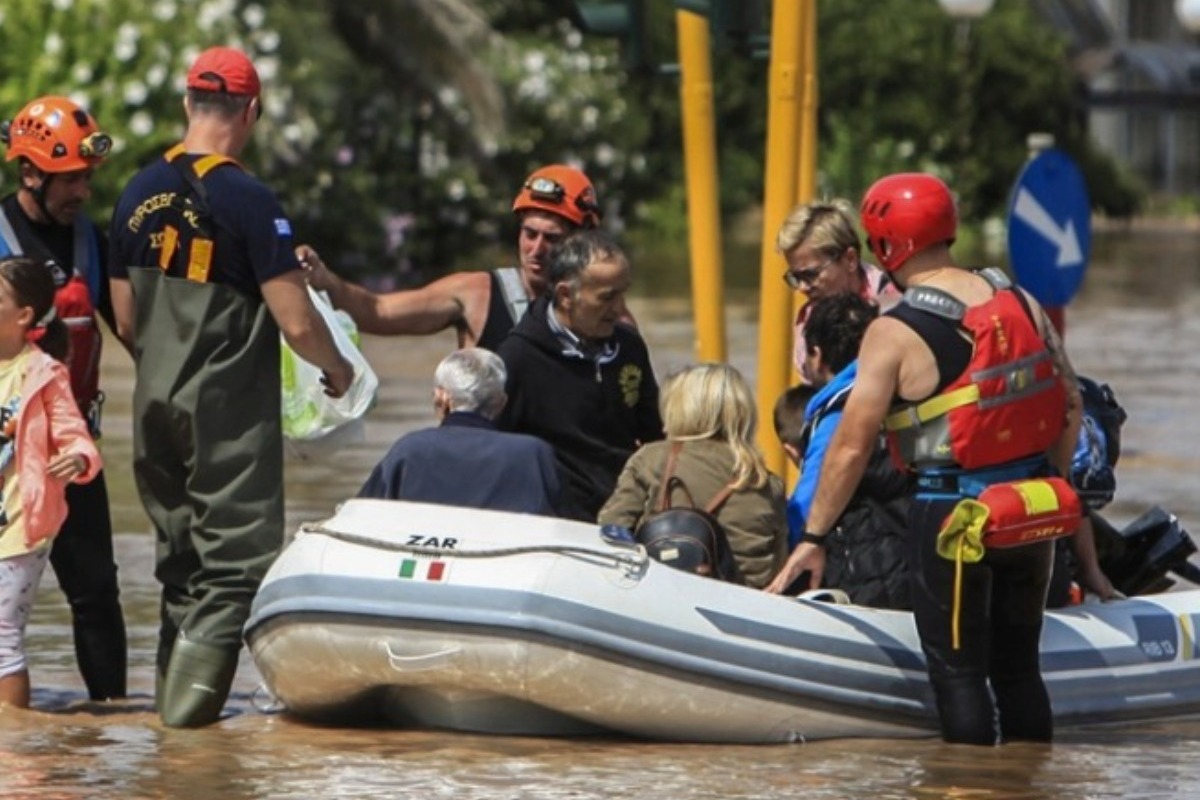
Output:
[[630, 381], [996, 277], [283, 227], [936, 302]]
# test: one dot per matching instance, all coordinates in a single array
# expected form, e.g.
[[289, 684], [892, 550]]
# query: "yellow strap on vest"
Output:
[[204, 164], [200, 260], [934, 407], [166, 248]]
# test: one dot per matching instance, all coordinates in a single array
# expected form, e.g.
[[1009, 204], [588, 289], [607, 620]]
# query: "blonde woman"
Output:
[[821, 246], [709, 418]]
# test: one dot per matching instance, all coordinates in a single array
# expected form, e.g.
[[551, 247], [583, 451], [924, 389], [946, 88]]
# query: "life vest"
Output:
[[75, 301], [193, 212], [1008, 404], [515, 298]]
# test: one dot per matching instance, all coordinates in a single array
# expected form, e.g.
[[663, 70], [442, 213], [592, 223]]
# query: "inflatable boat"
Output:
[[431, 616]]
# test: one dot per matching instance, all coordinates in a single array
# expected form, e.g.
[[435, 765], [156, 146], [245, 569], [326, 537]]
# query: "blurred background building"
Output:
[[1139, 68]]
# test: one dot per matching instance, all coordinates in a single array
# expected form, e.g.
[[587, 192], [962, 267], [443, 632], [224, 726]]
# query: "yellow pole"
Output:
[[775, 299], [806, 186], [806, 190], [700, 160]]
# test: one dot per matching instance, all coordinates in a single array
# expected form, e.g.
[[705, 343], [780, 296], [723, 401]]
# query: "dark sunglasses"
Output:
[[799, 278]]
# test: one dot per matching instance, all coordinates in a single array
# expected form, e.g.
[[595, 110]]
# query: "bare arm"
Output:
[[305, 331], [1089, 575], [123, 310], [456, 300], [851, 447], [1063, 450]]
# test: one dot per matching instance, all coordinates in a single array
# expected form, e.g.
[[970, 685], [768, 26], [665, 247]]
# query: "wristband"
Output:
[[815, 540]]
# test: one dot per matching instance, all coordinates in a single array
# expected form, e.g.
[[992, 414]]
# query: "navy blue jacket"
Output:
[[467, 462]]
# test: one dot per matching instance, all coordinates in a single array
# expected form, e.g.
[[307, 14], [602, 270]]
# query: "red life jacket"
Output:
[[74, 304], [1009, 403]]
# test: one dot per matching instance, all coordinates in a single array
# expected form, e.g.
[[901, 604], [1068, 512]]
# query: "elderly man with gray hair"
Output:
[[466, 461]]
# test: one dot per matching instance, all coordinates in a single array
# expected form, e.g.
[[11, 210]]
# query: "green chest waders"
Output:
[[208, 460]]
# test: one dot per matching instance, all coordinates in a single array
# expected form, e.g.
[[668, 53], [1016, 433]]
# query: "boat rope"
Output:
[[633, 557]]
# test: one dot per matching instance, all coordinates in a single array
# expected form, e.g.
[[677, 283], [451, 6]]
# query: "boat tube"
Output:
[[429, 616]]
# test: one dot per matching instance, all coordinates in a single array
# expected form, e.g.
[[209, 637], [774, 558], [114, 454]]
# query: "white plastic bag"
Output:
[[308, 413]]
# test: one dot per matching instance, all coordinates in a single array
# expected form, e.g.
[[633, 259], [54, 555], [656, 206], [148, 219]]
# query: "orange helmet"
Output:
[[56, 135], [905, 213], [561, 190]]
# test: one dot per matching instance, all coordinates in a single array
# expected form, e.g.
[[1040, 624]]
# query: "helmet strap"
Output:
[[38, 193]]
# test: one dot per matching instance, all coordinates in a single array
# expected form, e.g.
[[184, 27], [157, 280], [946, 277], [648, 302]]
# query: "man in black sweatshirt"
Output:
[[578, 377]]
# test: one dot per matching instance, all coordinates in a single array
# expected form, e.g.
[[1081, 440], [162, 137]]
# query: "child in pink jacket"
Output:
[[44, 445]]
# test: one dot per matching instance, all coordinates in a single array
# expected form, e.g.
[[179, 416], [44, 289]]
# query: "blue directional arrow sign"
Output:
[[1050, 228]]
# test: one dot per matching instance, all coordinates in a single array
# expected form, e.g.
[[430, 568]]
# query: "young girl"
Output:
[[44, 444], [708, 413]]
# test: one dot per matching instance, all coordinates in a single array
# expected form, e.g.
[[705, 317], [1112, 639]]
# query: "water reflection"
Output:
[[1135, 325], [249, 756]]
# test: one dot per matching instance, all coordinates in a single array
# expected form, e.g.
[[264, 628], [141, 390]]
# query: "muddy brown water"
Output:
[[1135, 325]]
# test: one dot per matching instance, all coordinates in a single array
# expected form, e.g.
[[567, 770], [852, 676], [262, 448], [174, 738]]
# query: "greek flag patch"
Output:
[[283, 227]]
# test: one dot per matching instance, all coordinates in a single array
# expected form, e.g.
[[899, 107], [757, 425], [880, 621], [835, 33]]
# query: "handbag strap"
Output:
[[664, 491], [670, 481], [719, 498]]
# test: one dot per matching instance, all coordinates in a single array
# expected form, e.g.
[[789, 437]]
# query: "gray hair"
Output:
[[574, 254], [473, 380]]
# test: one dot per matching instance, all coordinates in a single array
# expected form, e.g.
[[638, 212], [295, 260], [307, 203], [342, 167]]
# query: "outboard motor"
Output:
[[1138, 558]]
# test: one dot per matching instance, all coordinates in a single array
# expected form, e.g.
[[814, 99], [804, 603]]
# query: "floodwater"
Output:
[[1135, 325]]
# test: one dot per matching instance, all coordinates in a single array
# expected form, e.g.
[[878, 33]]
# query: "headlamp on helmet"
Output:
[[563, 191]]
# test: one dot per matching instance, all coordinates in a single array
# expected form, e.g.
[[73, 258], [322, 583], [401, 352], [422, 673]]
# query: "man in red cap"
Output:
[[481, 306], [204, 279]]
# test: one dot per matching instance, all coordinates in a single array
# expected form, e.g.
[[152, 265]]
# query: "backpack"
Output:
[[1099, 444], [688, 538]]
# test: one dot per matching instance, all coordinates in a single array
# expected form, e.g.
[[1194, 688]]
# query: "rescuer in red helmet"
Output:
[[482, 306], [57, 146], [979, 401]]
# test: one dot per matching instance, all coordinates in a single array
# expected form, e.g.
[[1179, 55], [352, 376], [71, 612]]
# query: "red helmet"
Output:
[[905, 213], [57, 136], [561, 190]]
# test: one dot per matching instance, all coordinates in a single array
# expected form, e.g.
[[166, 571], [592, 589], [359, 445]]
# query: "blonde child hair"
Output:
[[713, 401]]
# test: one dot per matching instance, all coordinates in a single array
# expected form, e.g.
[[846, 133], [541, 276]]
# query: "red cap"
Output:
[[223, 69]]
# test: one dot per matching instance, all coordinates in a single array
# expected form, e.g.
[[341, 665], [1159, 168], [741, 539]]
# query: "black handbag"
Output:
[[688, 538]]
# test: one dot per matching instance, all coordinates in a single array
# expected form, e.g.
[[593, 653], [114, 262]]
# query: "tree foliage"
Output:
[[397, 131]]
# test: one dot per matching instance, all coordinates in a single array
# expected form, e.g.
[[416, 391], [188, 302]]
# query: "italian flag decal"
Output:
[[412, 569]]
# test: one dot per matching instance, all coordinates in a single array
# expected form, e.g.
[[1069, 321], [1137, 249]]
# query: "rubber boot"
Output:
[[161, 662], [196, 684], [102, 660], [168, 634]]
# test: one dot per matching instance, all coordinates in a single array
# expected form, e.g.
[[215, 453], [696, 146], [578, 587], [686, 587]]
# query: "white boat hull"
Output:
[[431, 616]]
